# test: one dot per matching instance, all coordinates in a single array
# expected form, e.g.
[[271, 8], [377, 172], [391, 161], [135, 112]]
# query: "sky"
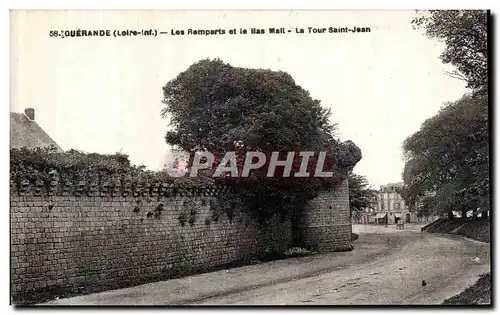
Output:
[[103, 94]]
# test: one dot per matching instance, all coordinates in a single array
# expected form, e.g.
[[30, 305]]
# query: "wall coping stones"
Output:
[[115, 188]]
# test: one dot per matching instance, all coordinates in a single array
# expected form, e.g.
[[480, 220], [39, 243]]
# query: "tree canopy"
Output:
[[465, 35], [447, 160], [215, 107], [361, 196]]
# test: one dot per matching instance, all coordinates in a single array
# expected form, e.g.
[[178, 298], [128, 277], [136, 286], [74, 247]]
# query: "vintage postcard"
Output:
[[250, 158]]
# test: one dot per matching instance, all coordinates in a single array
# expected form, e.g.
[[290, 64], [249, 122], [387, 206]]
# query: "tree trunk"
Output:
[[450, 215], [464, 214]]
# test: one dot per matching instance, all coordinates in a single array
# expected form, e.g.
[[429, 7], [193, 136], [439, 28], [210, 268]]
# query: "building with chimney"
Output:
[[25, 132]]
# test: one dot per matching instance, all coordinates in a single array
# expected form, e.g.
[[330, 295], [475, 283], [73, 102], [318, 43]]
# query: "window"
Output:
[[382, 206], [397, 206]]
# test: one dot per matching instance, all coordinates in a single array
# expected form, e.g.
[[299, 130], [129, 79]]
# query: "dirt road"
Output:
[[387, 266]]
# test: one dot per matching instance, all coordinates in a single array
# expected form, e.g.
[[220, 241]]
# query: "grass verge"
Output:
[[478, 294]]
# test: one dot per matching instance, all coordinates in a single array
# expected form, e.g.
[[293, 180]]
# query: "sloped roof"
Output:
[[391, 186], [27, 133]]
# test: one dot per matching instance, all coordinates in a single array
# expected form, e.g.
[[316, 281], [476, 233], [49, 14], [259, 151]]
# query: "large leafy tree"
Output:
[[215, 107], [465, 36], [361, 196], [447, 160]]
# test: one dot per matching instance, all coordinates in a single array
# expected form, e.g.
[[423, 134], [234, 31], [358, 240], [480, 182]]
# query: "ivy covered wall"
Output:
[[86, 223]]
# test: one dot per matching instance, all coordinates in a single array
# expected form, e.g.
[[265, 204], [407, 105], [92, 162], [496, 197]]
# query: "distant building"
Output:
[[390, 208], [25, 132]]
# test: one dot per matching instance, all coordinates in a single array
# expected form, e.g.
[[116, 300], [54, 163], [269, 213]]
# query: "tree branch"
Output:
[[455, 75]]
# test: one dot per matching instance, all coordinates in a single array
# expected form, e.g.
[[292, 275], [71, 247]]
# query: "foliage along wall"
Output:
[[90, 237]]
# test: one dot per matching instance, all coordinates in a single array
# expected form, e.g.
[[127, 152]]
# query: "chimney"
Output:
[[30, 112]]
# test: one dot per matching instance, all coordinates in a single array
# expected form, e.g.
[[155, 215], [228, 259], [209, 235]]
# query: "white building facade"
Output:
[[390, 208]]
